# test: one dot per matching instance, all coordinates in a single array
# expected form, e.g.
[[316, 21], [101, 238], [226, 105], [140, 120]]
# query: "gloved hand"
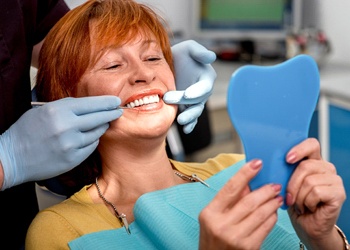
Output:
[[194, 81], [52, 139]]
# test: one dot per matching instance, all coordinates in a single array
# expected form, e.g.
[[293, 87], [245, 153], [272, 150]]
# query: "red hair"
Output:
[[67, 50]]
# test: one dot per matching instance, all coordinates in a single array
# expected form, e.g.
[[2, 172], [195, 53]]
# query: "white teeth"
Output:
[[143, 101]]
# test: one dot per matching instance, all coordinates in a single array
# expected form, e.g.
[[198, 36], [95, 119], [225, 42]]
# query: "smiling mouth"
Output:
[[143, 101]]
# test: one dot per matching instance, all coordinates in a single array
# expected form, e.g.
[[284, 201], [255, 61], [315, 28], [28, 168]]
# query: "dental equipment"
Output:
[[37, 104]]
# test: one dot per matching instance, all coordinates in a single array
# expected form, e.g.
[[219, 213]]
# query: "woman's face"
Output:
[[139, 75]]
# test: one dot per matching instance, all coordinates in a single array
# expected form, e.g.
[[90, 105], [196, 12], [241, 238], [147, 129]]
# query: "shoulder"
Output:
[[210, 166], [55, 226], [50, 230], [225, 160]]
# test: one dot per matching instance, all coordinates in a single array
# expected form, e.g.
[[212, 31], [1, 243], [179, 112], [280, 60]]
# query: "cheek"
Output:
[[98, 87], [172, 86], [175, 108], [81, 90], [91, 90], [84, 87], [169, 80]]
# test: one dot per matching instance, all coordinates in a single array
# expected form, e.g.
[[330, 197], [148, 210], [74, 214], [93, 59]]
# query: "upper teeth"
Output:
[[143, 101]]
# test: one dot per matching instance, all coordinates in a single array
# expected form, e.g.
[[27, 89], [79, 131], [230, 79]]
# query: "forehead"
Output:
[[101, 41], [103, 34]]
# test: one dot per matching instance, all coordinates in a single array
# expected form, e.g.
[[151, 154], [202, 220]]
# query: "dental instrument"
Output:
[[37, 104]]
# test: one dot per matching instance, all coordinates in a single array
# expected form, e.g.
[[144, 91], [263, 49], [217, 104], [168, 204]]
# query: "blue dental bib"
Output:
[[168, 219]]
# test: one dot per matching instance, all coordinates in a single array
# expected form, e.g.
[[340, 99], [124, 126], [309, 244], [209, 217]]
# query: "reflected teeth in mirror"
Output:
[[143, 101]]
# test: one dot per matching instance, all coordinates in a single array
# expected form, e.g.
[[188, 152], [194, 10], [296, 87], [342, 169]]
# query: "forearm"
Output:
[[333, 242]]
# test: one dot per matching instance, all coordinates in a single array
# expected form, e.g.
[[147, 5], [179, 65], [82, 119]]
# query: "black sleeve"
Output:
[[49, 12]]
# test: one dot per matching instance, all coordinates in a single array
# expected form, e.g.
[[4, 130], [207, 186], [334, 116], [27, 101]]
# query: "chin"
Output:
[[141, 126], [155, 128]]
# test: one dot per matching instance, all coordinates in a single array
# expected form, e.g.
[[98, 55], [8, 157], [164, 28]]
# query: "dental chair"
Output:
[[180, 145]]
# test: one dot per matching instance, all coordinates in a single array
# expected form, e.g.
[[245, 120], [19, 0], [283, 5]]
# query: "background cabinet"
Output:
[[339, 154], [334, 127]]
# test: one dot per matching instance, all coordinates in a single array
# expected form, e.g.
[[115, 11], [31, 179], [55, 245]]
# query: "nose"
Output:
[[141, 73]]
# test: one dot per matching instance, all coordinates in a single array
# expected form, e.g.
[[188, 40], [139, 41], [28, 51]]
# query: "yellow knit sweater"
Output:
[[55, 226]]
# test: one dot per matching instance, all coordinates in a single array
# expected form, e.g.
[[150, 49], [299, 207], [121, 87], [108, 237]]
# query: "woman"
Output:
[[120, 48]]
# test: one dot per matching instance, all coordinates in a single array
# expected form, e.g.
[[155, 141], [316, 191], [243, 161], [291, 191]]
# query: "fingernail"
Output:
[[256, 164], [277, 187], [289, 199], [280, 200], [291, 157]]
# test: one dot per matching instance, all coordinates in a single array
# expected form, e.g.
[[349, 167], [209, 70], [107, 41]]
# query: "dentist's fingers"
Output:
[[91, 104], [204, 86], [178, 97], [201, 54], [190, 114]]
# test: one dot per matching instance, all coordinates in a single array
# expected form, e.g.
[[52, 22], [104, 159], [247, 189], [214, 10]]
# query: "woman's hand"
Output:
[[238, 218], [315, 194]]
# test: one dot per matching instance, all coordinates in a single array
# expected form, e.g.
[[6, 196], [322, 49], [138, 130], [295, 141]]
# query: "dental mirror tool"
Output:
[[271, 109]]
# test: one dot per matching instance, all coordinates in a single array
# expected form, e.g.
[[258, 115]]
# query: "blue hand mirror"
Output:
[[271, 109]]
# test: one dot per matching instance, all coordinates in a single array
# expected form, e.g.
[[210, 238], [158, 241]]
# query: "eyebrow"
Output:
[[149, 42], [144, 42]]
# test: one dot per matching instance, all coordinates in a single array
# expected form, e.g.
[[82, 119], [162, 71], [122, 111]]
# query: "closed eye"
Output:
[[114, 66], [152, 59]]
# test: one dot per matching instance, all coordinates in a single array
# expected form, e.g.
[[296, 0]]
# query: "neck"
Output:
[[127, 175]]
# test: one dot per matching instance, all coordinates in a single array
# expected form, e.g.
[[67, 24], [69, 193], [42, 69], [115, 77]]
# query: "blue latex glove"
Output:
[[52, 139], [194, 81]]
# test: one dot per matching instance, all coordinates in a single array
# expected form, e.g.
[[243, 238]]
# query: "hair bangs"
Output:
[[121, 24]]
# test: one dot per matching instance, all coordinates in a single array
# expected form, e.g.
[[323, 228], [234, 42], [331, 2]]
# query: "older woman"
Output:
[[121, 48]]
